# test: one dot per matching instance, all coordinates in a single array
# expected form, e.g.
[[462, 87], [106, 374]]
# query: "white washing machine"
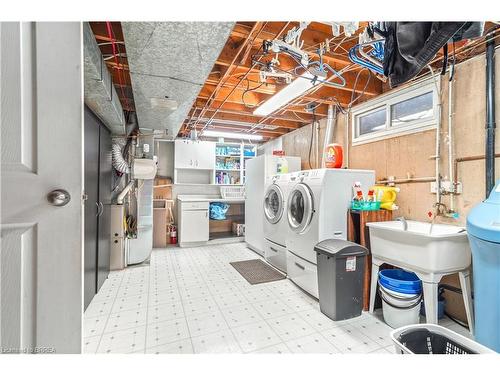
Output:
[[317, 206], [275, 221]]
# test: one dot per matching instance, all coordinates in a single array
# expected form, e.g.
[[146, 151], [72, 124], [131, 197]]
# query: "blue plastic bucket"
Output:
[[400, 281]]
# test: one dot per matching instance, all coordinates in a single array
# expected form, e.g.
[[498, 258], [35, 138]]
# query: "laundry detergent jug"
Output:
[[334, 155]]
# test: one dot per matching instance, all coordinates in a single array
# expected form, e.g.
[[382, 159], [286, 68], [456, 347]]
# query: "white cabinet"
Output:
[[193, 222], [194, 154]]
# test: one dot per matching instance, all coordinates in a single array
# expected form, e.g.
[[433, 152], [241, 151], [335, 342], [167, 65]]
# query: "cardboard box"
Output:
[[238, 228], [454, 301]]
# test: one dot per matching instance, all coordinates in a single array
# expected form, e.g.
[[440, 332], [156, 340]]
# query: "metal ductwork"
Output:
[[490, 116], [169, 63], [100, 94]]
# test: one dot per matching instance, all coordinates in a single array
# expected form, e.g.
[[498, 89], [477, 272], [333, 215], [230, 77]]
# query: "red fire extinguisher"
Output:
[[173, 235]]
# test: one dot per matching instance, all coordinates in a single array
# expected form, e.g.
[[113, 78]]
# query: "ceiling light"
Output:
[[218, 134], [299, 86]]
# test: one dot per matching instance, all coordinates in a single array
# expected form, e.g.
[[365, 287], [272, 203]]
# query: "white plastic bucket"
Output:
[[398, 299], [398, 311]]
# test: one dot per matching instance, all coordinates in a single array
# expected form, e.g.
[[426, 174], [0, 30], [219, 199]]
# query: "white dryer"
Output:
[[275, 221], [317, 206]]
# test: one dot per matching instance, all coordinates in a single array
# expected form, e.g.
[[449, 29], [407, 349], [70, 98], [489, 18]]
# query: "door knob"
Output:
[[59, 197]]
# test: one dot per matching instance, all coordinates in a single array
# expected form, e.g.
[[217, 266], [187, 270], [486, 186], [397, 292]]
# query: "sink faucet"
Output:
[[403, 221]]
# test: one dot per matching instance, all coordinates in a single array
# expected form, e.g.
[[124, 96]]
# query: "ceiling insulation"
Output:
[[170, 60]]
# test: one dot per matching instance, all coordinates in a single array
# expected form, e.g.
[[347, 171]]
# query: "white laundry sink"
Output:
[[431, 251], [423, 247]]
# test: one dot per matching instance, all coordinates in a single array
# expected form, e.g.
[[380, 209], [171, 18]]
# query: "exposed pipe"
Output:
[[124, 192], [409, 180], [437, 156], [117, 159], [317, 144], [468, 158], [329, 131], [450, 137], [490, 116]]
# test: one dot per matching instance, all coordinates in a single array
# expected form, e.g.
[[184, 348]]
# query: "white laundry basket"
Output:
[[232, 192], [434, 339]]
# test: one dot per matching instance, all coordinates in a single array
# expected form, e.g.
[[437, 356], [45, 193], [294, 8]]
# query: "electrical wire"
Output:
[[248, 89]]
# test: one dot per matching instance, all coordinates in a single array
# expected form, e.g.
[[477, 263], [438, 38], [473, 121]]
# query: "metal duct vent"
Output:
[[100, 94], [170, 60]]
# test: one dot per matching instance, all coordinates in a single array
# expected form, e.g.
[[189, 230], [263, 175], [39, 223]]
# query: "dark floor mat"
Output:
[[255, 271]]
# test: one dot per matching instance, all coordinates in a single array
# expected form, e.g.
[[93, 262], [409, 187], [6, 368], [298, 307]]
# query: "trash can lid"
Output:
[[340, 248], [483, 220]]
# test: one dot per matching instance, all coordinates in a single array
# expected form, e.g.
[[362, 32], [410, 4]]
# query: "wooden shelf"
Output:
[[357, 231], [219, 235]]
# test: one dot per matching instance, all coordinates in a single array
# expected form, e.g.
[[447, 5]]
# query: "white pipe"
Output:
[[317, 144], [450, 139], [347, 121], [437, 156], [329, 131], [121, 196]]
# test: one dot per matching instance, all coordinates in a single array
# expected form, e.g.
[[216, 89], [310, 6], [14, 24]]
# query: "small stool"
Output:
[[430, 282]]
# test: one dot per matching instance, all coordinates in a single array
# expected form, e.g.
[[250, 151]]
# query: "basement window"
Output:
[[404, 111]]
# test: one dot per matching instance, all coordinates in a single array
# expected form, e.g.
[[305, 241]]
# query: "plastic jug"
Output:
[[282, 166], [334, 155], [387, 196]]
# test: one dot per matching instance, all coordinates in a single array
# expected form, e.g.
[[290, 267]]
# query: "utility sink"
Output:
[[430, 250], [423, 247]]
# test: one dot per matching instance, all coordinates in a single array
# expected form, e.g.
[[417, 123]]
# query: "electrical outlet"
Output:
[[447, 187]]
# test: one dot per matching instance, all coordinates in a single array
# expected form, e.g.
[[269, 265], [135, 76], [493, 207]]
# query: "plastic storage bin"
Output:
[[483, 228], [341, 266], [400, 281], [433, 339]]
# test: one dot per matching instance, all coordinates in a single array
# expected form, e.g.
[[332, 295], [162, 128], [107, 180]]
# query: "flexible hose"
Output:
[[118, 161]]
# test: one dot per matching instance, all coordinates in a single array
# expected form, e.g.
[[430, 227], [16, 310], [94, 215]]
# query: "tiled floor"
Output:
[[192, 300]]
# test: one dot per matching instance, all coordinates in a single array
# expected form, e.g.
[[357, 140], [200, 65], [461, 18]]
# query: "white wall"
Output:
[[268, 147], [165, 153]]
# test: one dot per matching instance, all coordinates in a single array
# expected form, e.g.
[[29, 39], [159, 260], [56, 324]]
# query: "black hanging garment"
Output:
[[410, 46]]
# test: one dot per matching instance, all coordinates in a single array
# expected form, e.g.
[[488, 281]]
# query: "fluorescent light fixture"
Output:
[[218, 134], [299, 86]]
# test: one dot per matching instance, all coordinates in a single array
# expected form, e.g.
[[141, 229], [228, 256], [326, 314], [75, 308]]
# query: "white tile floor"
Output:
[[192, 300]]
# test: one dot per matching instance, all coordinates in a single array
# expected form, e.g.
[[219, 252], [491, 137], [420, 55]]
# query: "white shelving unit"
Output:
[[211, 163], [230, 159]]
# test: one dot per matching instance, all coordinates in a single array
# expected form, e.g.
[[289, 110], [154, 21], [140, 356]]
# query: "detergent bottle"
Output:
[[387, 196], [282, 165], [334, 155]]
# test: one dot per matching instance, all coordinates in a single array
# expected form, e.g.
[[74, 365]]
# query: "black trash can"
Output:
[[341, 266]]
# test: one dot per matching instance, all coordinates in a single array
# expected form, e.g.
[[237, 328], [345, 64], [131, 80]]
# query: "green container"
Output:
[[365, 206]]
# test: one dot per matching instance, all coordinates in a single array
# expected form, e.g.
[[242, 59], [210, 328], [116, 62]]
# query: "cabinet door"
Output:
[[205, 155], [91, 183], [184, 154], [194, 226], [105, 175]]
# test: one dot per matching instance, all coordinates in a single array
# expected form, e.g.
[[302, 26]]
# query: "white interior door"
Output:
[[41, 150]]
